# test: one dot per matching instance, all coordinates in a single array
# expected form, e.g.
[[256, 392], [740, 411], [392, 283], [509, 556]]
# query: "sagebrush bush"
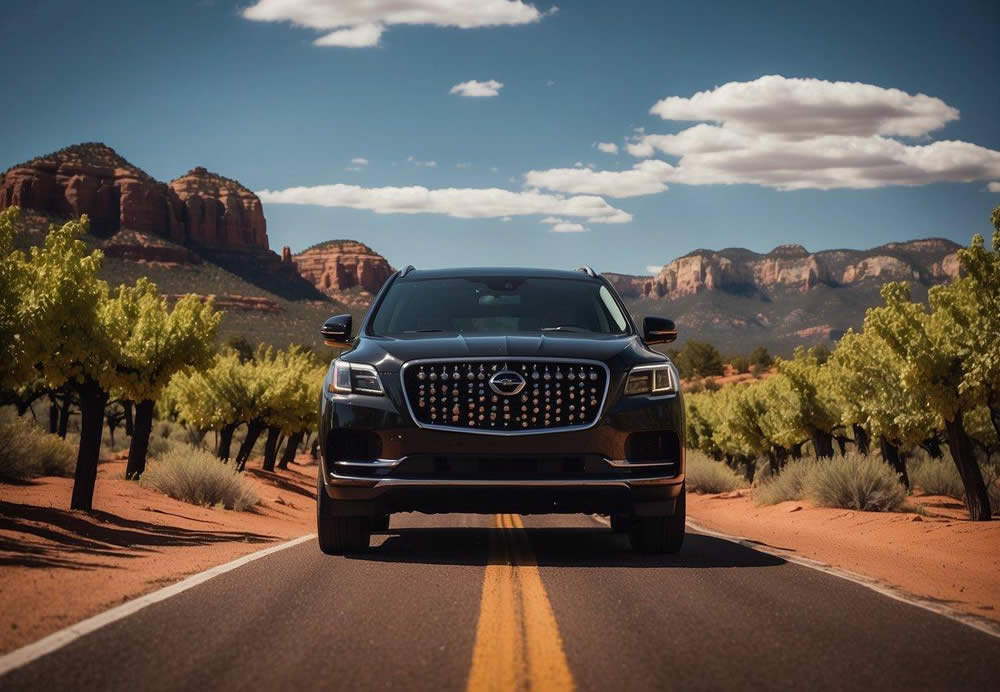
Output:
[[27, 451], [193, 475], [788, 484], [158, 446], [855, 481], [705, 475], [936, 477]]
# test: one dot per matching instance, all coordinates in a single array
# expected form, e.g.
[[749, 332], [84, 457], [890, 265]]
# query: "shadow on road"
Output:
[[560, 547], [59, 538]]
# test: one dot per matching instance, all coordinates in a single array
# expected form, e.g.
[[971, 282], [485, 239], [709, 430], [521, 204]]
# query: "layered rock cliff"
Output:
[[199, 208], [339, 266], [792, 267]]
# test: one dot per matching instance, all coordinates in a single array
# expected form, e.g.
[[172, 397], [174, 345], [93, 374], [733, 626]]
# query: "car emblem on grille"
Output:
[[507, 382]]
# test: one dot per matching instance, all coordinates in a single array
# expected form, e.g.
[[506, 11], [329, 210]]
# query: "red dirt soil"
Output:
[[61, 566], [940, 556]]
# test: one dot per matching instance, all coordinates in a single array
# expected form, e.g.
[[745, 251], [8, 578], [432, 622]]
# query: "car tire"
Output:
[[664, 534], [380, 523], [620, 523], [339, 534]]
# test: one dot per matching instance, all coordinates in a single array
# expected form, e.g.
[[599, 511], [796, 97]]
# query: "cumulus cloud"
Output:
[[645, 178], [790, 134], [360, 23], [476, 89], [805, 107], [359, 161], [462, 203], [993, 187], [607, 147], [564, 225]]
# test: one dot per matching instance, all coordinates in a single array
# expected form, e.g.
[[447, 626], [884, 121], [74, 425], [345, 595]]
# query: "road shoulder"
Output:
[[942, 559]]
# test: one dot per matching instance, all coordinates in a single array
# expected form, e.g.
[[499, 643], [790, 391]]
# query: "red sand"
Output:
[[942, 556]]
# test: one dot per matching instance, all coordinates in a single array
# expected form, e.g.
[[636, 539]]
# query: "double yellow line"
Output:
[[518, 646]]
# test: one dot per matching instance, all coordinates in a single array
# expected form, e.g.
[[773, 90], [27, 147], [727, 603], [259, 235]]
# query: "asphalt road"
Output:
[[470, 602]]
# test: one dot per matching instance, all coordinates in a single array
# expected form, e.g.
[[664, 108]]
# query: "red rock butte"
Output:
[[339, 265], [199, 208]]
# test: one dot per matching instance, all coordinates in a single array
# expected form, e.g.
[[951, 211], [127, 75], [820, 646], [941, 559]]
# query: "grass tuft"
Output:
[[936, 477], [27, 451], [193, 475], [705, 475], [855, 481], [788, 484]]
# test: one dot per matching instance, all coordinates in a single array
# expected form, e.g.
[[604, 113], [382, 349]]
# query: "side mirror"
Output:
[[658, 330], [336, 331]]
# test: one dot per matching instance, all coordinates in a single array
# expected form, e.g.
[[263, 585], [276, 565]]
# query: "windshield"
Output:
[[500, 305]]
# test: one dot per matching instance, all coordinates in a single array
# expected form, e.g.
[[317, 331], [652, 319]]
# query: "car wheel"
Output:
[[620, 523], [660, 534], [337, 534], [380, 523]]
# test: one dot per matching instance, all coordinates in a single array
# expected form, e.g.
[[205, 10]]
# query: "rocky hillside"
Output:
[[740, 299], [346, 270], [219, 212], [792, 267]]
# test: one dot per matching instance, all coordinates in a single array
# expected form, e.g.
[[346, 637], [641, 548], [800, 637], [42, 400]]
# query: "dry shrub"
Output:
[[855, 481], [705, 475], [193, 475], [27, 451]]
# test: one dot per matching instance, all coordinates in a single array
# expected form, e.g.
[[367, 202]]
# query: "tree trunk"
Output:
[[53, 415], [254, 429], [890, 453], [93, 399], [862, 441], [112, 424], [822, 443], [140, 439], [977, 499], [291, 447], [841, 443], [795, 451], [271, 448], [933, 447], [314, 449], [129, 427], [226, 441], [64, 415]]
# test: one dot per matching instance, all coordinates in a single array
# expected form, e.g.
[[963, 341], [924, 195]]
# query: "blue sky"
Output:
[[243, 89]]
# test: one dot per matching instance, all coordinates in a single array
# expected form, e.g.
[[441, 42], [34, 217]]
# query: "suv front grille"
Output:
[[505, 395]]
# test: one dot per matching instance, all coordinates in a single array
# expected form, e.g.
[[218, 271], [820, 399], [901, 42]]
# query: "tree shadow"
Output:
[[72, 539], [282, 483], [560, 547]]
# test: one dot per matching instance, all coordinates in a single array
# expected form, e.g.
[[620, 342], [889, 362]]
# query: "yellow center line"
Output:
[[518, 646]]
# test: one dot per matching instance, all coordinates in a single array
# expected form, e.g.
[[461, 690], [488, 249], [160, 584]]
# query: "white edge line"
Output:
[[977, 622], [57, 640]]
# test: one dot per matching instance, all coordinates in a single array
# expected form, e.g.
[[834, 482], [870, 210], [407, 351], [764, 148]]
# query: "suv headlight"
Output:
[[652, 379], [354, 377]]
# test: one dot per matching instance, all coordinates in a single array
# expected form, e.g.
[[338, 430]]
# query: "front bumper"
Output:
[[403, 467]]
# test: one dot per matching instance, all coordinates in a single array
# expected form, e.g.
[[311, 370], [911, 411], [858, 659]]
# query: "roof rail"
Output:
[[586, 269], [406, 270]]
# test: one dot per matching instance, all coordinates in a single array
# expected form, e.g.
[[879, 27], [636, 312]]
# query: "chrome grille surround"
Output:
[[514, 414]]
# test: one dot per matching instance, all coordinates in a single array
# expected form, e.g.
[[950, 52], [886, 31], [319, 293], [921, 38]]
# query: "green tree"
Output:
[[15, 369], [156, 342], [64, 330], [761, 358], [698, 359], [938, 370], [816, 406]]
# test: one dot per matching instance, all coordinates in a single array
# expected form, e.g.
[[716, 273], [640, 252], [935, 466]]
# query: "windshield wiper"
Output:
[[564, 328], [422, 331]]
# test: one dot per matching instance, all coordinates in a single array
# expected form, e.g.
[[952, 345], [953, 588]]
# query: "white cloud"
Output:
[[359, 161], [462, 165], [790, 134], [360, 23], [993, 187], [463, 203], [506, 219], [360, 36], [607, 147], [417, 162], [564, 225], [805, 107], [476, 89], [654, 268], [645, 178]]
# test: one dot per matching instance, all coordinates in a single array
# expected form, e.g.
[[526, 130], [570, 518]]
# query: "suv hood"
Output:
[[389, 354]]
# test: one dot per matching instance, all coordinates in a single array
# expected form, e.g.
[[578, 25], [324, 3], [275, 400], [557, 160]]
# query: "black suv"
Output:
[[500, 390]]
